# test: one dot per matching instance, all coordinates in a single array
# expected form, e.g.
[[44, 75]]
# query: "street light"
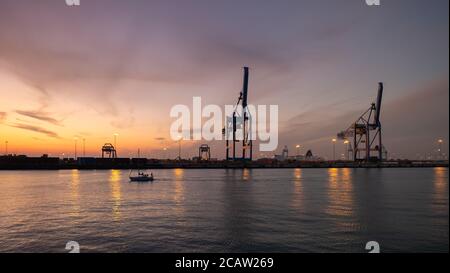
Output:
[[115, 140], [179, 147], [6, 147], [298, 150], [440, 141], [334, 149], [76, 142], [84, 147], [348, 149]]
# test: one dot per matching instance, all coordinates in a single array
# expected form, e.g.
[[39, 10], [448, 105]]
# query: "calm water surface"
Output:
[[264, 210]]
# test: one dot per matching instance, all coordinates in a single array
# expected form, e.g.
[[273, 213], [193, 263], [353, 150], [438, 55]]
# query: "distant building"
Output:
[[307, 157], [284, 156]]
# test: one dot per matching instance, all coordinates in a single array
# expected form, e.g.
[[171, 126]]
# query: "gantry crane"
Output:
[[366, 133], [204, 152], [240, 120]]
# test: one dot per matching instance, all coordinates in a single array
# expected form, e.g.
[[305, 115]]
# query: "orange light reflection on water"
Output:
[[245, 174], [116, 195], [440, 183], [297, 198], [340, 192], [179, 192], [75, 192]]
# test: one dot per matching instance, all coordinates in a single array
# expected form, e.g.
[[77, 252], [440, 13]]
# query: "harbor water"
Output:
[[220, 210]]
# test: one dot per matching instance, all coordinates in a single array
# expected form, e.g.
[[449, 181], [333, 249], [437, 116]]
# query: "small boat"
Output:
[[141, 177]]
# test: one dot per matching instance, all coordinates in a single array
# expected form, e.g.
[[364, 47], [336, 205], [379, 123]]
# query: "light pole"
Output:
[[84, 147], [76, 144], [6, 147], [179, 147], [348, 149], [298, 150], [334, 149], [440, 141], [115, 140]]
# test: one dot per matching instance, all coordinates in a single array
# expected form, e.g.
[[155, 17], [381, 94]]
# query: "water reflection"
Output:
[[116, 195], [297, 197], [440, 195], [404, 209], [245, 174], [179, 174], [237, 203], [75, 192], [179, 192], [340, 192]]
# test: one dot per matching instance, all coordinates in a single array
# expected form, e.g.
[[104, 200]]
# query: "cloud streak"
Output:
[[39, 115], [36, 129]]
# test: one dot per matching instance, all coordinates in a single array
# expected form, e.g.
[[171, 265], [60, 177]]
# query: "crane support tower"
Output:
[[204, 152], [240, 119], [364, 135], [109, 150]]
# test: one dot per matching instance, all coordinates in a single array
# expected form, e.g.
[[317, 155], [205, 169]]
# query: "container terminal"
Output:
[[363, 139]]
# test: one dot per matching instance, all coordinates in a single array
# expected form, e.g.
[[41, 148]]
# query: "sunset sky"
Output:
[[115, 66]]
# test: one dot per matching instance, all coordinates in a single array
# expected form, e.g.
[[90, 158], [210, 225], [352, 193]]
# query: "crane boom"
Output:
[[245, 88], [378, 105]]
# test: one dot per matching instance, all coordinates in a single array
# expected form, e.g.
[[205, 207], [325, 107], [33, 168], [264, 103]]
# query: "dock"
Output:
[[23, 162]]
